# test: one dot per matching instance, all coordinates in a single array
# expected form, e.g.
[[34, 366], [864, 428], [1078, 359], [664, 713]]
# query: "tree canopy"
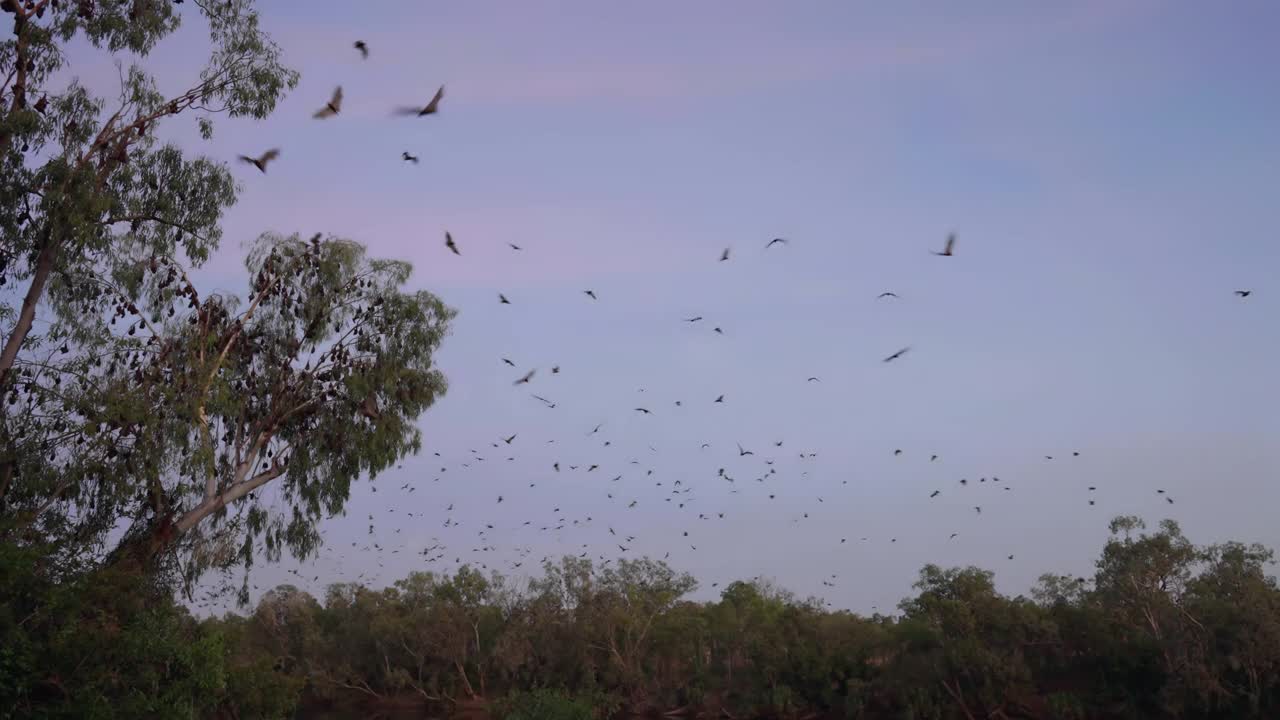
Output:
[[145, 419]]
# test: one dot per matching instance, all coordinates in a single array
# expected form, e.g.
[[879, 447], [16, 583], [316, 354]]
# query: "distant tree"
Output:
[[555, 618], [630, 597], [354, 655], [959, 650], [1142, 578], [1147, 633], [1238, 604], [284, 626], [411, 632], [1052, 590], [973, 637], [461, 621], [748, 629]]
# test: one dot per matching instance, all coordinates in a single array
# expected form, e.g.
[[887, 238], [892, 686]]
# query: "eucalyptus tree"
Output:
[[146, 422], [1235, 597], [84, 182], [86, 187], [313, 380], [631, 596], [1142, 578], [972, 638]]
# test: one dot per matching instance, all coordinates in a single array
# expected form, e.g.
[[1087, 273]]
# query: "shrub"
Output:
[[548, 704]]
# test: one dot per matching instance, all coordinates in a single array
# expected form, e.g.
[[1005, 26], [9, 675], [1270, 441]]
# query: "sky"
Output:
[[1110, 171]]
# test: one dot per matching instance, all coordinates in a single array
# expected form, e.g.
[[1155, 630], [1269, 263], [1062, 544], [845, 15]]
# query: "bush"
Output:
[[100, 645], [1066, 706], [259, 690], [549, 704]]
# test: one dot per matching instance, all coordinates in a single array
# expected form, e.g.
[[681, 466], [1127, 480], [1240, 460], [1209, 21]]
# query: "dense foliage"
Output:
[[145, 422], [1163, 629]]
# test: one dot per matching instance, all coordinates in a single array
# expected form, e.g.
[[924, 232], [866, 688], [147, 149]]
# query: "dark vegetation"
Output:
[[1162, 629], [142, 422]]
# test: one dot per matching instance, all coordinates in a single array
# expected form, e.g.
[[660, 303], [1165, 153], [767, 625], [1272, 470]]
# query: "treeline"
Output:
[[1163, 629]]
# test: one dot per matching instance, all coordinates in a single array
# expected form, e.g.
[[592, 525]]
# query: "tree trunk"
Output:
[[6, 477], [728, 669], [13, 344], [141, 547], [475, 628], [466, 684]]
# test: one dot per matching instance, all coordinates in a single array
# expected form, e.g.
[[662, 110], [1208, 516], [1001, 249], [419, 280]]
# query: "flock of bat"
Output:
[[679, 493], [334, 107]]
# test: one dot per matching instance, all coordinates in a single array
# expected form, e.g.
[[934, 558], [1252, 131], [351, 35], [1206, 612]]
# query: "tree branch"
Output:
[[192, 517], [955, 694], [109, 133], [152, 217], [262, 436], [362, 687]]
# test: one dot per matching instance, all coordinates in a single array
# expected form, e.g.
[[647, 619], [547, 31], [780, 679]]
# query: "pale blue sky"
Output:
[[1111, 169]]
